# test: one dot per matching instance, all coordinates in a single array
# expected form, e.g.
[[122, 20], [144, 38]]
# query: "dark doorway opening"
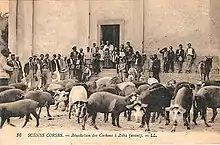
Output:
[[111, 33]]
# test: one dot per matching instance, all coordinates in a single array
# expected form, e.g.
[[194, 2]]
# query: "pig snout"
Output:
[[138, 113]]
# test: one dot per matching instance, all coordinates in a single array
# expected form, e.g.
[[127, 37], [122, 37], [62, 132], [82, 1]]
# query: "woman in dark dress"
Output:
[[96, 63]]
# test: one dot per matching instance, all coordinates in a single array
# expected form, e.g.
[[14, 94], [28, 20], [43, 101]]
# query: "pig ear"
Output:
[[182, 110], [57, 92], [3, 110], [168, 108], [112, 105], [129, 106], [144, 105]]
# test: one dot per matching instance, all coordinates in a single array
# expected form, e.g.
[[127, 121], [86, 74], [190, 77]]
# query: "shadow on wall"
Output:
[[3, 30]]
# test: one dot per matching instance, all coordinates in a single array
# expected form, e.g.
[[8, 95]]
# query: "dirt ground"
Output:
[[61, 124]]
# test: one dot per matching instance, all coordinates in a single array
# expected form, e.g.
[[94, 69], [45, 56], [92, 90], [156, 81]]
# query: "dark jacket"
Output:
[[193, 51], [19, 65], [171, 55], [180, 53], [138, 58], [41, 64], [54, 66], [156, 65], [164, 52], [71, 63], [47, 62], [29, 66]]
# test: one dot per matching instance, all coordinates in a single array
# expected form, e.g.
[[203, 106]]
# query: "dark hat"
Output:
[[5, 50]]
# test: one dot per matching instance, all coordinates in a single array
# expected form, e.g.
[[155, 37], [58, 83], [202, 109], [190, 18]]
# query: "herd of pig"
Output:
[[109, 95]]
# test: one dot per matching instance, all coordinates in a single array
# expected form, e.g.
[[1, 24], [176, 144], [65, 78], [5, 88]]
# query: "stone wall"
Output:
[[170, 22], [58, 25]]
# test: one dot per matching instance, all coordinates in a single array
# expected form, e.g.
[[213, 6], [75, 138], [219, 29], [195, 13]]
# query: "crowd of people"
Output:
[[130, 65]]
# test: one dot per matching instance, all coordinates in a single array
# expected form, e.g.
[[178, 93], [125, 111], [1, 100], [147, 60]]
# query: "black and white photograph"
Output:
[[109, 72]]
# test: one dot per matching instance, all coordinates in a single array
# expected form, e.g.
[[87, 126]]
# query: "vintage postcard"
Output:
[[106, 72]]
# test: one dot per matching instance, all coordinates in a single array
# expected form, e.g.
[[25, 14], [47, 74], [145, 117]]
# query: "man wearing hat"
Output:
[[190, 57], [4, 68], [15, 73], [180, 57], [74, 53], [138, 64], [46, 70], [145, 64], [30, 70], [156, 67], [164, 52], [20, 74]]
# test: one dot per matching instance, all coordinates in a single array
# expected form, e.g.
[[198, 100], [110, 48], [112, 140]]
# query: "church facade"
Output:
[[55, 26]]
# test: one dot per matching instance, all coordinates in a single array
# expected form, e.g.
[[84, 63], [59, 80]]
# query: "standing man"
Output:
[[101, 52], [88, 57], [129, 48], [180, 57], [41, 62], [121, 68], [102, 45], [110, 48], [71, 65], [55, 68], [145, 64], [65, 69], [15, 73], [74, 53], [46, 71], [138, 64], [20, 74], [156, 67], [30, 70], [93, 48], [38, 78], [164, 52], [96, 63], [81, 55], [171, 56], [78, 69], [129, 51], [190, 57], [4, 68], [61, 67]]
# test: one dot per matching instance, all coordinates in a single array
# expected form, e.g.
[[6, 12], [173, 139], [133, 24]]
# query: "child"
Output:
[[132, 71], [86, 73], [121, 69]]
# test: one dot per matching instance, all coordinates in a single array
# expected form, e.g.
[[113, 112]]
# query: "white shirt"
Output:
[[88, 55], [122, 54], [93, 50], [190, 51], [110, 47], [101, 54]]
